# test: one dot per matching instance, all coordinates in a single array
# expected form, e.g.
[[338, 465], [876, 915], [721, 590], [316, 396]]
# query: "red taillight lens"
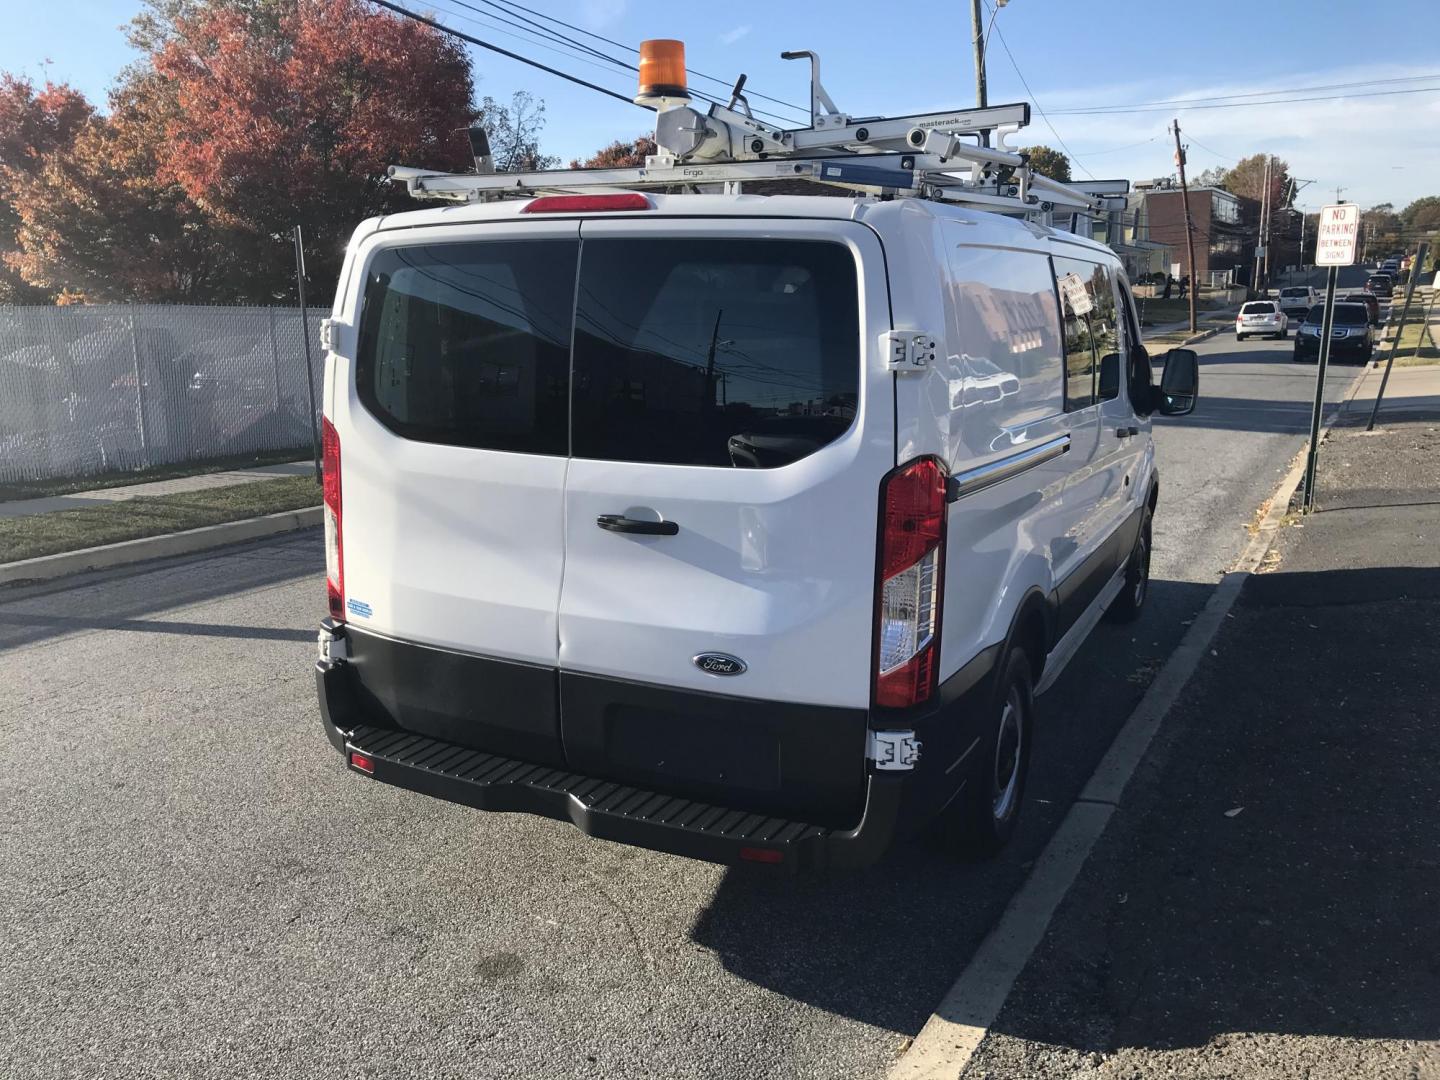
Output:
[[762, 855], [333, 512], [911, 573], [587, 204], [364, 762]]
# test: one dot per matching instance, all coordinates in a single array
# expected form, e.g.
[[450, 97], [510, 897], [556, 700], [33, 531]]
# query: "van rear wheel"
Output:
[[1127, 605], [984, 816]]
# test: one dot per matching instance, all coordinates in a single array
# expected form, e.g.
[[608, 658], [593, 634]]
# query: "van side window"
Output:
[[468, 344], [1137, 360], [709, 351], [1092, 342]]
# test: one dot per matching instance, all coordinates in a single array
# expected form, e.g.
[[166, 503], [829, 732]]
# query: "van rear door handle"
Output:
[[622, 524]]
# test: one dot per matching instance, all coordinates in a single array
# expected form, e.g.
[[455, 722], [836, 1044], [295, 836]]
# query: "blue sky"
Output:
[[1074, 56]]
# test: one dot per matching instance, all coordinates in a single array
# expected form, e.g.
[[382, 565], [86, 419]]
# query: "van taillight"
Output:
[[910, 578], [334, 544]]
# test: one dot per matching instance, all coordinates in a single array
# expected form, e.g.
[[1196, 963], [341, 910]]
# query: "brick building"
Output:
[[1225, 227]]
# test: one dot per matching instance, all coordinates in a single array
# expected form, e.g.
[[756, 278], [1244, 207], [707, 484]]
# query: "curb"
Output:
[[1204, 335], [47, 567], [961, 1021]]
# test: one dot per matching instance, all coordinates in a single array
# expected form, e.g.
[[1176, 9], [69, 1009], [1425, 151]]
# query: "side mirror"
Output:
[[1179, 383]]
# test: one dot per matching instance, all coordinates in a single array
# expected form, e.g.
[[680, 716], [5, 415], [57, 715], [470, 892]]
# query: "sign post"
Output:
[[1400, 329], [1334, 247]]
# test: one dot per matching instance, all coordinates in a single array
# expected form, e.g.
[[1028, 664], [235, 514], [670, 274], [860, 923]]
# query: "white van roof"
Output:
[[995, 229]]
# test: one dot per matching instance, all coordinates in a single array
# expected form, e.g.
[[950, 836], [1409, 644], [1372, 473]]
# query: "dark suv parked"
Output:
[[1351, 337]]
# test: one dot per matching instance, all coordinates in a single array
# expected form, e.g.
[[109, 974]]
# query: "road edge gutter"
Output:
[[49, 567], [961, 1021]]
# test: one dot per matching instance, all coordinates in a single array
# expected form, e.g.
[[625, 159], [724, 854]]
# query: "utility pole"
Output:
[[1260, 230], [1269, 215], [1189, 228], [982, 99]]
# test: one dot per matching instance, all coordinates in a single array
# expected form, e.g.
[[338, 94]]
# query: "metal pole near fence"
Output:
[[305, 336], [274, 357], [139, 393]]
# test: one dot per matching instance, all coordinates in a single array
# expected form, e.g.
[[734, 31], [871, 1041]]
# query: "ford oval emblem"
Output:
[[719, 663]]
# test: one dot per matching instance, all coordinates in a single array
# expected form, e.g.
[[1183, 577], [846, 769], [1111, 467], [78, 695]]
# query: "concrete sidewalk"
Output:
[[1266, 900], [102, 496]]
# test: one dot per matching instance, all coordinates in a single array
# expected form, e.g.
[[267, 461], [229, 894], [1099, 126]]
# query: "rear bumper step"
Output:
[[599, 807]]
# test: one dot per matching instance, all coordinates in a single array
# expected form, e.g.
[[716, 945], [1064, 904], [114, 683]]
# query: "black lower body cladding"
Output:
[[707, 776]]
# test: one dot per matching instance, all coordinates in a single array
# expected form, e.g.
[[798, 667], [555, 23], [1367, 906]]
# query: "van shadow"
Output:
[[883, 945], [1313, 910]]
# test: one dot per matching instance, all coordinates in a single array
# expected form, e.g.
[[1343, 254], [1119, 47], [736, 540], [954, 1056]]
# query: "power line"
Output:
[[1036, 102], [631, 48], [503, 52], [1170, 102]]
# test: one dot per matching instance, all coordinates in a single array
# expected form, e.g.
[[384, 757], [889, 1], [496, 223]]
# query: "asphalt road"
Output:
[[195, 886]]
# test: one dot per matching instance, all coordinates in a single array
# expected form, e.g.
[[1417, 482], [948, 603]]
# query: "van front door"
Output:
[[732, 419]]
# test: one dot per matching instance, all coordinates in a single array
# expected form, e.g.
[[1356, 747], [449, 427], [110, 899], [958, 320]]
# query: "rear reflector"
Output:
[[760, 854], [587, 204], [364, 762]]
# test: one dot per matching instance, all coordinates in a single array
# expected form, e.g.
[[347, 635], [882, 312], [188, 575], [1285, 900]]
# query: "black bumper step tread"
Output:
[[419, 757]]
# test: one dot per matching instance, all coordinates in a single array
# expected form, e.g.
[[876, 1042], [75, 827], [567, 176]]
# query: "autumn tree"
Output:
[[292, 118], [619, 155], [1211, 177], [33, 124], [1247, 180], [1048, 162], [98, 223], [1422, 215]]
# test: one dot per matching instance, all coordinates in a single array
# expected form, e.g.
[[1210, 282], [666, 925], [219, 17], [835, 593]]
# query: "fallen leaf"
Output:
[[1235, 812]]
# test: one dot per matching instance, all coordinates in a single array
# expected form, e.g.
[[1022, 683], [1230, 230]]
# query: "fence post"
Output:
[[139, 393], [274, 357]]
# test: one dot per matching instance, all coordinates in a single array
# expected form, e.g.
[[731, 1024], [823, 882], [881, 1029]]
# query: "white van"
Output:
[[735, 526]]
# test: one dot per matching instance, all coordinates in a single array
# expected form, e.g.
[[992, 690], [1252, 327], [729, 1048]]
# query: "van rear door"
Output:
[[454, 435], [732, 420]]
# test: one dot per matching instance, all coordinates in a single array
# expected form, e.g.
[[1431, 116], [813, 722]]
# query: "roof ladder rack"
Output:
[[938, 155]]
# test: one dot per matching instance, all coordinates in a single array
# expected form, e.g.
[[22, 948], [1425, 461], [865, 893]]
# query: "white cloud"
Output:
[[1367, 145], [730, 37], [600, 13]]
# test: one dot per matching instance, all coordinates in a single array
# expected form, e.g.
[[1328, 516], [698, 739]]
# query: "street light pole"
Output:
[[977, 24]]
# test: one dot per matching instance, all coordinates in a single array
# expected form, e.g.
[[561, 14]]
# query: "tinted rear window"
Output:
[[1294, 292], [732, 353], [1258, 309], [469, 344], [1350, 314]]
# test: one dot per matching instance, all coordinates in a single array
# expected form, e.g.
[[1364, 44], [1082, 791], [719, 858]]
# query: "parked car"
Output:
[[1296, 300], [1372, 304], [1380, 285], [1391, 266], [1351, 336], [789, 655], [1262, 317]]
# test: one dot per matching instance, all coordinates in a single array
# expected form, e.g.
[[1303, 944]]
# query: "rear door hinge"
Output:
[[893, 750], [909, 350]]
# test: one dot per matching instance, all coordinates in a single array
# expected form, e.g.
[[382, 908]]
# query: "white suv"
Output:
[[740, 527], [1297, 300], [1261, 317]]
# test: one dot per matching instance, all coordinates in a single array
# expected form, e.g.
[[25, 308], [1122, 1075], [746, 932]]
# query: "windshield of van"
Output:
[[725, 352]]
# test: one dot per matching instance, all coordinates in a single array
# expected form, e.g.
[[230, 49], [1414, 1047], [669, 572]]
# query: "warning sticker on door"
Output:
[[1072, 288]]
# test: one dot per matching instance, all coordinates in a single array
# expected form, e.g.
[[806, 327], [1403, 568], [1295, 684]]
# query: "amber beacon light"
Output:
[[662, 71]]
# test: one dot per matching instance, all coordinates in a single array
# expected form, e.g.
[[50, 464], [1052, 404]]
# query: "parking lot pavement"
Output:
[[1266, 901], [196, 887]]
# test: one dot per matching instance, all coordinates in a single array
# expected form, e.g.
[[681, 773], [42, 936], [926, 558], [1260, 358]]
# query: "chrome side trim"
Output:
[[997, 472]]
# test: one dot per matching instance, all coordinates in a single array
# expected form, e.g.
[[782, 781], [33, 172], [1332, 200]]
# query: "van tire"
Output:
[[1126, 607], [984, 816]]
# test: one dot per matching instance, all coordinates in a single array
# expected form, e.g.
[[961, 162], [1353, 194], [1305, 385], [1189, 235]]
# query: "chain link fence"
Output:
[[94, 389]]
